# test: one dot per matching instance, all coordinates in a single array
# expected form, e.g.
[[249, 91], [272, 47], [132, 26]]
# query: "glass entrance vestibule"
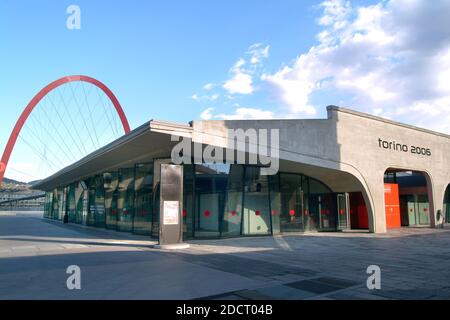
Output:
[[219, 201]]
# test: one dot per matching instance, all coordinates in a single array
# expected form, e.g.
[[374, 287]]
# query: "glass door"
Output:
[[329, 212], [292, 204], [424, 209], [343, 212]]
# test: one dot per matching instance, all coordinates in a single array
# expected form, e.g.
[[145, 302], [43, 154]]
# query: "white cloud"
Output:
[[391, 59], [247, 113], [209, 86], [258, 53], [212, 97], [238, 65], [206, 114], [242, 73], [294, 88], [241, 82], [239, 114]]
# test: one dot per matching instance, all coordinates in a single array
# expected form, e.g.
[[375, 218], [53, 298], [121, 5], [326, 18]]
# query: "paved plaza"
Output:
[[35, 254]]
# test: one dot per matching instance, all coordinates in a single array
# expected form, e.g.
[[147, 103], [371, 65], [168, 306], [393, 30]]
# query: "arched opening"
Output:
[[236, 200], [407, 202], [446, 210], [311, 204], [333, 200]]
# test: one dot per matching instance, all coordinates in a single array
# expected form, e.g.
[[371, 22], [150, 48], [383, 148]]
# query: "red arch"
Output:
[[37, 98]]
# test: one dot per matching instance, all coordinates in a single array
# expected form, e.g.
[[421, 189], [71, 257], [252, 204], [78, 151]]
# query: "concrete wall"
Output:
[[358, 137], [344, 152]]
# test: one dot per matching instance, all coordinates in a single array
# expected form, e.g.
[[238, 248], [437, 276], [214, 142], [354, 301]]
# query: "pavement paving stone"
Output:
[[253, 295], [283, 292], [34, 255]]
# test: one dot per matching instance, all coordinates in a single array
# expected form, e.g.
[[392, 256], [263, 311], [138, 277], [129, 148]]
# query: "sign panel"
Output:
[[170, 204], [171, 212]]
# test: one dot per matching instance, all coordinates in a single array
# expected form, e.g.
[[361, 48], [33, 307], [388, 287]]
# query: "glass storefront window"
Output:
[[447, 205], [71, 212], [79, 203], [256, 207], [309, 221], [99, 202], [48, 208], [328, 212], [125, 200], [54, 205], [143, 186], [61, 203], [96, 214], [111, 182], [232, 219], [322, 207], [156, 210], [219, 201], [210, 190], [275, 202], [90, 221], [188, 201], [292, 202]]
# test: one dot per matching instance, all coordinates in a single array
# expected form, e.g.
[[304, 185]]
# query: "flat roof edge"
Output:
[[381, 119], [159, 126], [169, 127], [110, 146]]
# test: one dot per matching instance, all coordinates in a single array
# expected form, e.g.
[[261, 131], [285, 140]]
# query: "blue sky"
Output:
[[157, 57], [153, 54]]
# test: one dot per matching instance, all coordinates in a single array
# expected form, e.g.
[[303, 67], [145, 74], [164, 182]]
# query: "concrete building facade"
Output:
[[351, 154]]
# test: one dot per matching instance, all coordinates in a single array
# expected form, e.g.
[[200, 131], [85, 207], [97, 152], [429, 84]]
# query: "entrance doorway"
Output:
[[330, 211], [343, 211], [307, 205], [446, 211], [359, 215], [406, 199]]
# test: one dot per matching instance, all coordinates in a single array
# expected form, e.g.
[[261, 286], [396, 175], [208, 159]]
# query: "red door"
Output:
[[359, 217], [392, 205]]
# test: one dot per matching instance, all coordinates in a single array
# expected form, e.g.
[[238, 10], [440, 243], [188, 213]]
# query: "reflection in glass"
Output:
[[99, 202], [91, 201], [70, 202], [218, 201], [322, 207], [125, 200], [291, 216], [143, 186], [61, 203], [48, 208], [231, 225], [79, 203], [275, 202], [447, 205], [210, 190], [96, 213], [156, 210], [188, 202], [111, 182], [256, 219]]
